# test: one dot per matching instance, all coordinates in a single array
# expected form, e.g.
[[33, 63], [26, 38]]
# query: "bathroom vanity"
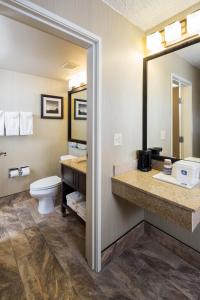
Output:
[[175, 204], [73, 174]]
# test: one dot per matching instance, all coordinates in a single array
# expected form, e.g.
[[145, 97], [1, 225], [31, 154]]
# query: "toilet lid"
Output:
[[45, 183]]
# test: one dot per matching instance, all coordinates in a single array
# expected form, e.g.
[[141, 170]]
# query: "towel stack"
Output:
[[15, 123], [12, 123], [73, 199], [81, 210], [26, 123], [76, 201]]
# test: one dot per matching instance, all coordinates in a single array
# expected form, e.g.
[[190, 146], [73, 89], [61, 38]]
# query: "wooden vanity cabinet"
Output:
[[74, 179]]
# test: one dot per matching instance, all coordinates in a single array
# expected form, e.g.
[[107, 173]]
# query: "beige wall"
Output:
[[160, 102], [21, 92], [122, 99]]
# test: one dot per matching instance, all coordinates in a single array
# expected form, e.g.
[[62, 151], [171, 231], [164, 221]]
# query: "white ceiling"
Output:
[[28, 50], [191, 54], [146, 14]]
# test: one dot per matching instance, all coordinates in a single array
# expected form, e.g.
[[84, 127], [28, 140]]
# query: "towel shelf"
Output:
[[72, 180]]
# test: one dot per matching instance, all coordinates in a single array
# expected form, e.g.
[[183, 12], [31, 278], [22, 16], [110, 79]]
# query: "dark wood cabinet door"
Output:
[[69, 176], [82, 183], [74, 179]]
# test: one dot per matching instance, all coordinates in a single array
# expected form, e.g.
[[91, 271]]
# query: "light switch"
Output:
[[117, 139]]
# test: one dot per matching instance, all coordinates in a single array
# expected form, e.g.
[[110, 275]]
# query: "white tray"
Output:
[[170, 179]]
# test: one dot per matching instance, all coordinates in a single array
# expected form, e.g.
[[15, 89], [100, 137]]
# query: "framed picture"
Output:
[[80, 109], [51, 107]]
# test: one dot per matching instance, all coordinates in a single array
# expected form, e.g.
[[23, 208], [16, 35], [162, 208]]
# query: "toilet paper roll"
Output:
[[13, 173], [24, 171]]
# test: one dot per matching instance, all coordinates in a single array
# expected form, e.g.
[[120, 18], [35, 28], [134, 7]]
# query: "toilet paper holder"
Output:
[[21, 171], [13, 172]]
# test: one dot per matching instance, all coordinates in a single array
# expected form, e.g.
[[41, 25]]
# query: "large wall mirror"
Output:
[[77, 115], [171, 111]]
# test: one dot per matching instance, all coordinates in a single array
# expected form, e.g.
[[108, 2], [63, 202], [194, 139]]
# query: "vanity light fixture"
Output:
[[154, 41], [173, 32], [185, 29], [193, 23], [77, 80]]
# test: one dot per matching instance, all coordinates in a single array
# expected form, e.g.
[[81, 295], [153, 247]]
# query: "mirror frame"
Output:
[[146, 59], [73, 91]]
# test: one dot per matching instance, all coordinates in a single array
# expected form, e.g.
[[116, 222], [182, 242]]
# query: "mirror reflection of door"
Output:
[[175, 94], [182, 119]]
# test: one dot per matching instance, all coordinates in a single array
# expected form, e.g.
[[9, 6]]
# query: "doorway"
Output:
[[43, 20], [181, 117]]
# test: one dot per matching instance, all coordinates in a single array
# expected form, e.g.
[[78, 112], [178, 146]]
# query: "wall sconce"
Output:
[[77, 80], [193, 23], [154, 41], [173, 32]]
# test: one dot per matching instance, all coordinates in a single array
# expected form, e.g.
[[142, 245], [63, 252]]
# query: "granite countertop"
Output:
[[189, 199], [76, 164]]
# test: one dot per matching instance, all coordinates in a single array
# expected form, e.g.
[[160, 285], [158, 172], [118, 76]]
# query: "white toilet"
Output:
[[45, 190]]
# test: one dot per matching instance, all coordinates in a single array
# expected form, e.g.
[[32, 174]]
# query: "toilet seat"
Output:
[[45, 183]]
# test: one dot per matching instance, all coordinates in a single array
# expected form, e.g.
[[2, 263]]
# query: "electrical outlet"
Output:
[[117, 139]]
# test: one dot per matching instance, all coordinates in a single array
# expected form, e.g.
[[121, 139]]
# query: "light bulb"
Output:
[[154, 41], [193, 23], [173, 32]]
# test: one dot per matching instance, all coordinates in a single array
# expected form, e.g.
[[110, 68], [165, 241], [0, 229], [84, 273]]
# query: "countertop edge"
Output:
[[113, 178], [72, 167]]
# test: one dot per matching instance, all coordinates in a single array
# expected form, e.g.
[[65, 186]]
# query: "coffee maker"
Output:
[[144, 160]]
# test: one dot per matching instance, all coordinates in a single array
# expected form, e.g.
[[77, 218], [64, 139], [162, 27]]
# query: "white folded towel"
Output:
[[26, 123], [12, 123], [2, 123], [75, 197], [66, 157], [71, 204]]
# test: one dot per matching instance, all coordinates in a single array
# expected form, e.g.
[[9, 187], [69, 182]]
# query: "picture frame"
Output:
[[80, 109], [51, 107]]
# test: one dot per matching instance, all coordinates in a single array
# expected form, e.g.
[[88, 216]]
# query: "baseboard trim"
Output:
[[124, 242], [182, 250], [144, 229]]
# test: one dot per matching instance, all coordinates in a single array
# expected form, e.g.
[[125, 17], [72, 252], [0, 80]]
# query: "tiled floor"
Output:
[[42, 258]]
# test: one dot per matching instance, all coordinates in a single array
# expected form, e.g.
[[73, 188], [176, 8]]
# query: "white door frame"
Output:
[[185, 82], [34, 15]]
